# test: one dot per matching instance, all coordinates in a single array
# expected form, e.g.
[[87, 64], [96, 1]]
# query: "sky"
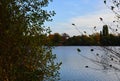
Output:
[[84, 14]]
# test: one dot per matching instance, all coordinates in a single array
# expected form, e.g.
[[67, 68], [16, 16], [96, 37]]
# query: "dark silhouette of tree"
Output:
[[56, 39], [104, 36], [25, 51], [95, 39], [65, 36], [105, 30]]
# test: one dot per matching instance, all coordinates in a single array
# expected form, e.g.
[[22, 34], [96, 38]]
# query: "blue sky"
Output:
[[84, 13]]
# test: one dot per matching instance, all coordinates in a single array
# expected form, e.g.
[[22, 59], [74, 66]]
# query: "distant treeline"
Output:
[[97, 39]]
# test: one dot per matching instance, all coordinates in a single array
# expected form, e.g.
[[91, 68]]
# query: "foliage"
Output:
[[105, 30], [56, 39], [96, 39], [25, 51]]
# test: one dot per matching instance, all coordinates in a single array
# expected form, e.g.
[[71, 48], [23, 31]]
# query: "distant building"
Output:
[[105, 31]]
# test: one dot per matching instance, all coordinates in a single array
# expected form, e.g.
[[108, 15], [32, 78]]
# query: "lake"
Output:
[[75, 67]]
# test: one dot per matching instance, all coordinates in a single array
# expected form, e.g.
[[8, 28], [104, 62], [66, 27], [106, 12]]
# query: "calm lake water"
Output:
[[73, 67]]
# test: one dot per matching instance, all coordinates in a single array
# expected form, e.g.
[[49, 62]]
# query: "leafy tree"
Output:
[[104, 37], [105, 30], [65, 37], [56, 39], [25, 51], [95, 39]]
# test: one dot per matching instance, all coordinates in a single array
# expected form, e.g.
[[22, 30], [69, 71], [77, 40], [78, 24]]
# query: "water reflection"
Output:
[[73, 67]]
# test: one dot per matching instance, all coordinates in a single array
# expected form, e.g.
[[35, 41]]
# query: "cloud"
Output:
[[93, 19], [85, 23]]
